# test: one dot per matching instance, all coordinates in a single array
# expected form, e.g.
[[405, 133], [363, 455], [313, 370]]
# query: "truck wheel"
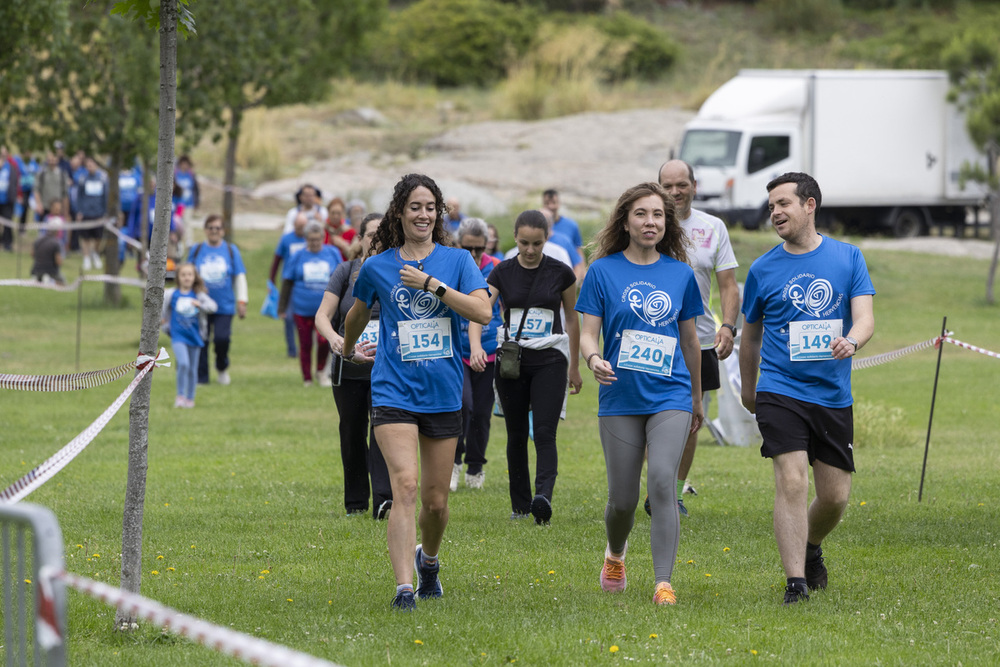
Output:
[[907, 223]]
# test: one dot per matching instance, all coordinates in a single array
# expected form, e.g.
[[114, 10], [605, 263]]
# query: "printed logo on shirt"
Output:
[[811, 295], [702, 237], [417, 305], [650, 304]]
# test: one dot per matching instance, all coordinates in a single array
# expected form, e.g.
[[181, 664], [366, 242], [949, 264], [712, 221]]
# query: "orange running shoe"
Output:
[[613, 575], [664, 593]]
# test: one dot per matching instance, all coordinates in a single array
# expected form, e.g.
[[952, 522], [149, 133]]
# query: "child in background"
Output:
[[184, 312]]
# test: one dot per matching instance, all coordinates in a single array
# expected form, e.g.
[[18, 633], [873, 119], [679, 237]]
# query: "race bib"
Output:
[[93, 188], [537, 323], [811, 340], [425, 339], [370, 334], [126, 182], [647, 352]]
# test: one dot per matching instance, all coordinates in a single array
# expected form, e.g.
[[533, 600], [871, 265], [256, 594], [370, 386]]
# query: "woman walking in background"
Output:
[[641, 295], [352, 386], [424, 288], [184, 313], [535, 289], [304, 282]]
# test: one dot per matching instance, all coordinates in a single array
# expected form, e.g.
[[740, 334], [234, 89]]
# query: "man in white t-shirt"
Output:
[[711, 253]]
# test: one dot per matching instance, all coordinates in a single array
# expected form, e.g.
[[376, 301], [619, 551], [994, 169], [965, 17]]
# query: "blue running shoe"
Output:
[[428, 584], [404, 601]]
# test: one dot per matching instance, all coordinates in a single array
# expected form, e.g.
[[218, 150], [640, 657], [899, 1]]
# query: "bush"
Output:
[[808, 16], [588, 6], [455, 42], [879, 427], [649, 53]]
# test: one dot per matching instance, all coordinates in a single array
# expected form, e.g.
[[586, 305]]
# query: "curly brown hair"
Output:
[[614, 237], [390, 232]]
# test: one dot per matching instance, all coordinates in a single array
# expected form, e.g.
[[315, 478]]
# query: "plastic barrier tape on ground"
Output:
[[69, 287], [236, 644], [44, 472]]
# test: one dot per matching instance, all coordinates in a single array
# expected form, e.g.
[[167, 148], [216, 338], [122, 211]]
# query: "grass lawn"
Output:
[[244, 519]]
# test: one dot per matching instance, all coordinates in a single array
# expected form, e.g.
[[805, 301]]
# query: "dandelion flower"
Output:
[[753, 651], [725, 550], [418, 642], [654, 636], [97, 555], [613, 649], [707, 574], [863, 503], [159, 558], [261, 576], [79, 546], [691, 562], [166, 504], [170, 569], [27, 581], [155, 572], [552, 571], [289, 600], [265, 572]]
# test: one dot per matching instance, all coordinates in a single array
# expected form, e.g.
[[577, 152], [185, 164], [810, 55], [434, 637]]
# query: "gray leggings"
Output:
[[624, 439]]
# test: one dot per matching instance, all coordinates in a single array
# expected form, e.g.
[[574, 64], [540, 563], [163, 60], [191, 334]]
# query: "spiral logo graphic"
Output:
[[418, 305], [813, 299], [652, 307]]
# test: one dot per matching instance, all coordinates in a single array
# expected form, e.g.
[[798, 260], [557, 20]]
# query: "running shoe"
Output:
[[646, 506], [98, 264], [681, 508], [404, 601], [664, 594], [180, 402], [795, 593], [816, 571], [689, 489], [541, 509], [475, 481], [223, 378], [613, 573], [383, 510], [456, 474], [519, 515], [325, 381], [428, 584]]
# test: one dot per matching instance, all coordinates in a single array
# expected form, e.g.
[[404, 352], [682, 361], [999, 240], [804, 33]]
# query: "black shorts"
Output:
[[438, 425], [95, 233], [710, 370], [791, 425]]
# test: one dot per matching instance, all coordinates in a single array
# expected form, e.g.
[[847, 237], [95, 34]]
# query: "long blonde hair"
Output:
[[614, 237]]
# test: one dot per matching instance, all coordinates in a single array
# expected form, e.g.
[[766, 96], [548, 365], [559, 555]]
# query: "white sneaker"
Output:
[[325, 381], [98, 264], [87, 265], [456, 474], [475, 481], [224, 377]]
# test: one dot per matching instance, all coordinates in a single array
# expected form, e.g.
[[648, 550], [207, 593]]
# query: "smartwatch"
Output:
[[440, 291]]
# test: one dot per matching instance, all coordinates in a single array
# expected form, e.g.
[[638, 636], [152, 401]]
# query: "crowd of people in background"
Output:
[[424, 328]]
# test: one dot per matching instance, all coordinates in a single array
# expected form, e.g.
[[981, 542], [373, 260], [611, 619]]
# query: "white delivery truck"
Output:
[[885, 146]]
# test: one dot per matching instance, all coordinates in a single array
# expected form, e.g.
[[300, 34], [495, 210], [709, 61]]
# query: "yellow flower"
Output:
[[707, 574], [192, 546], [653, 636], [159, 558], [552, 571], [289, 600], [97, 555], [155, 572], [166, 504], [265, 572], [753, 652], [613, 649], [27, 581], [79, 546], [170, 569], [725, 550], [691, 562], [329, 601], [418, 642], [863, 503], [261, 576]]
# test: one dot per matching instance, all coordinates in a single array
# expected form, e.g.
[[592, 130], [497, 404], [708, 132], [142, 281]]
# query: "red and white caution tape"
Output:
[[69, 287], [61, 459], [969, 346], [250, 649], [71, 382], [884, 358]]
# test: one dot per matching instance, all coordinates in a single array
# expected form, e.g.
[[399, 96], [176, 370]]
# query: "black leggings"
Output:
[[477, 410], [540, 389], [359, 452]]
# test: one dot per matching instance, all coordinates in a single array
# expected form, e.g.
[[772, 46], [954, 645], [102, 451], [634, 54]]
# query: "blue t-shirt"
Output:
[[185, 179], [129, 186], [217, 269], [489, 337], [289, 245], [429, 385], [566, 243], [184, 325], [8, 189], [805, 301], [568, 227], [310, 273], [643, 303]]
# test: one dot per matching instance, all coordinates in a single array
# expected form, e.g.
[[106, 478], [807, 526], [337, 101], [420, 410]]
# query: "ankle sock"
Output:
[[680, 487], [430, 561], [404, 587]]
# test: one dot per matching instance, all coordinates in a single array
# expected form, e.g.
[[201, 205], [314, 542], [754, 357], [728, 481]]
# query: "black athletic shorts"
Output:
[[791, 425], [710, 370], [438, 425]]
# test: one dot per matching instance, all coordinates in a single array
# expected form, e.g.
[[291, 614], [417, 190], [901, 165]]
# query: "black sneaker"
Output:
[[681, 509], [541, 509], [816, 571], [404, 601], [795, 593], [383, 510], [646, 506], [428, 584]]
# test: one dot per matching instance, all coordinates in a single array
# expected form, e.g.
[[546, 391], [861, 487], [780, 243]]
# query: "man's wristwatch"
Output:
[[852, 341], [731, 327], [440, 291]]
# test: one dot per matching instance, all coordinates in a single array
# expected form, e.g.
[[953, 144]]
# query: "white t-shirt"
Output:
[[318, 213], [551, 249], [712, 253]]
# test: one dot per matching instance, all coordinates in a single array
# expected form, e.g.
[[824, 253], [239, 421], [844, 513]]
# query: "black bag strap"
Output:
[[524, 311]]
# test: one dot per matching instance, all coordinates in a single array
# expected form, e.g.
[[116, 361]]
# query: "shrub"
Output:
[[454, 42], [808, 16], [588, 6], [648, 52]]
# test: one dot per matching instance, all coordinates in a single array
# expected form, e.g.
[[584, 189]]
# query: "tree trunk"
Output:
[[135, 491], [112, 291], [995, 227], [235, 119]]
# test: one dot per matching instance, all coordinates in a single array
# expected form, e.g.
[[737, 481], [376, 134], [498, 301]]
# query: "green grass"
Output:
[[250, 481]]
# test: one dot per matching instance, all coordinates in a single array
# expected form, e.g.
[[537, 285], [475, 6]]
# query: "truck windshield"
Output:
[[710, 148]]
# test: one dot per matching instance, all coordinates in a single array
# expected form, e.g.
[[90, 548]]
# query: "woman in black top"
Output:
[[542, 291], [352, 386]]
